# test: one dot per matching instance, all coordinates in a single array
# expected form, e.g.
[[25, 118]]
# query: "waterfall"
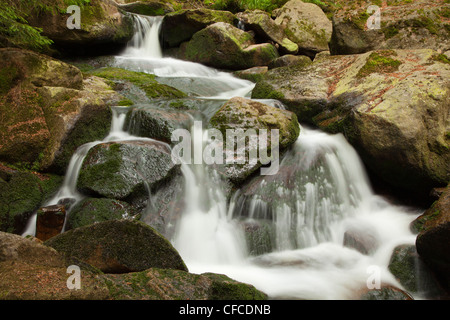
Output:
[[144, 54], [302, 213], [68, 190], [145, 41], [282, 233]]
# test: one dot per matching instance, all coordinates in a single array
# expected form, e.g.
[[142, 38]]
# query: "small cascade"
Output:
[[68, 192], [145, 41], [144, 54]]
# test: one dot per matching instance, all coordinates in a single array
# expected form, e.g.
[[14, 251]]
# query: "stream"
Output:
[[282, 233]]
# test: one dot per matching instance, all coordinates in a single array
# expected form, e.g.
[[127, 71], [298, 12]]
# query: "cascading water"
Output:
[[68, 191], [282, 233]]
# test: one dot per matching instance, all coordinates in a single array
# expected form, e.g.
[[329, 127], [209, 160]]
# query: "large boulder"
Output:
[[33, 271], [126, 170], [433, 241], [244, 114], [180, 26], [306, 25], [118, 246], [266, 29], [409, 25], [48, 110], [224, 46], [104, 28], [392, 105]]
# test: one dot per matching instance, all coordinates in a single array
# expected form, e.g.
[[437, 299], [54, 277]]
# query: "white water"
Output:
[[143, 54], [327, 193], [310, 217], [308, 260], [68, 189]]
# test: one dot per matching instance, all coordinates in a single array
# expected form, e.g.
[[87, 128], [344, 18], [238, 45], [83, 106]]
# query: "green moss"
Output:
[[7, 78], [143, 80], [224, 288], [380, 62], [390, 32], [441, 58]]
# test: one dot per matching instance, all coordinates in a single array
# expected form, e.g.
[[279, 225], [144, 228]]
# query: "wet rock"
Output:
[[156, 123], [50, 221], [92, 210], [118, 246], [125, 170], [244, 114], [21, 194], [433, 241], [386, 292], [361, 240]]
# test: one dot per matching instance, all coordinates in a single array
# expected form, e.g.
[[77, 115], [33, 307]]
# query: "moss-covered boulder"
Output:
[[306, 25], [33, 271], [433, 241], [156, 123], [104, 28], [21, 194], [403, 25], [224, 46], [404, 266], [48, 110], [126, 170], [118, 246], [169, 284], [92, 210], [267, 30], [240, 114], [180, 26], [392, 105]]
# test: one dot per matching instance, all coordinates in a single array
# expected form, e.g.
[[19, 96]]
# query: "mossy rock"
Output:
[[403, 25], [142, 80], [124, 170], [221, 45], [404, 266], [242, 115], [21, 194], [180, 26], [104, 27], [306, 25], [169, 284], [118, 246], [92, 210]]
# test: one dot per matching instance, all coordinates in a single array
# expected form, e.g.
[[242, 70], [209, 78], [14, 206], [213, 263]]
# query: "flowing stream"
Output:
[[283, 233]]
